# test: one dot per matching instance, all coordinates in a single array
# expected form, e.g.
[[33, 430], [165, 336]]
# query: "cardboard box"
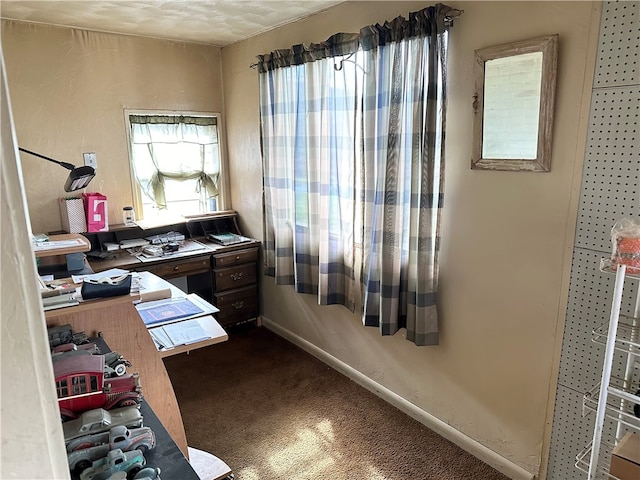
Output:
[[625, 458]]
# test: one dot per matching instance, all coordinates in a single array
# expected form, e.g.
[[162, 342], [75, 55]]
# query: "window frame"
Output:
[[223, 184]]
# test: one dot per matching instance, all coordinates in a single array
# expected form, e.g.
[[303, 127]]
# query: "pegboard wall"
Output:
[[610, 191]]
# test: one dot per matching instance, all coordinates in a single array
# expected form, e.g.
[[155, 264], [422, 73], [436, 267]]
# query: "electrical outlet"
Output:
[[90, 160]]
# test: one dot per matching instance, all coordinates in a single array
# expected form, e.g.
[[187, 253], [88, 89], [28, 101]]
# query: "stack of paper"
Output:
[[178, 333], [56, 294], [227, 238]]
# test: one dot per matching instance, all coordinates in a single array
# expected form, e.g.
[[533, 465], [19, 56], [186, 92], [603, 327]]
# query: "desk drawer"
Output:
[[236, 257], [234, 277], [180, 268], [236, 305]]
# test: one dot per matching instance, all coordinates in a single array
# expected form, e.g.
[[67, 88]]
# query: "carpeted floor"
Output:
[[271, 411]]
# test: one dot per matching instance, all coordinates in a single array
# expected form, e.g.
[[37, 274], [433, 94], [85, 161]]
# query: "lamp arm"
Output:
[[66, 165]]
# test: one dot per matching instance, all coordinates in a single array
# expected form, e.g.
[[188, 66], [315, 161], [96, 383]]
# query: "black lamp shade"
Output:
[[79, 178]]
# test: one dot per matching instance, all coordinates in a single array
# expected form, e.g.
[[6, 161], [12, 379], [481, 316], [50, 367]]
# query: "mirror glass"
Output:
[[513, 106]]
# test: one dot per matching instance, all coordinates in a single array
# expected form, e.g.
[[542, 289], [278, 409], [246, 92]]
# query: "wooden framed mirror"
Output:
[[513, 105]]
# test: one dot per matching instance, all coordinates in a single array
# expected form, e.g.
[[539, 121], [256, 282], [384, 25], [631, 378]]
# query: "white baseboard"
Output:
[[443, 429]]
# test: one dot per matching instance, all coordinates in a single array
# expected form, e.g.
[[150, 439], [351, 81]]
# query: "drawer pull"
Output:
[[237, 257], [236, 276], [176, 268], [238, 305]]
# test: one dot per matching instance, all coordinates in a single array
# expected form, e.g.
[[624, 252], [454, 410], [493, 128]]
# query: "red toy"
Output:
[[81, 386]]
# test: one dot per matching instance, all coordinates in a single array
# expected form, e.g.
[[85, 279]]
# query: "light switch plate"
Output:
[[90, 160]]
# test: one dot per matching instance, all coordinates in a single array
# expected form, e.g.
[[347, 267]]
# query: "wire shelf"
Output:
[[627, 338], [620, 403], [602, 472], [609, 266]]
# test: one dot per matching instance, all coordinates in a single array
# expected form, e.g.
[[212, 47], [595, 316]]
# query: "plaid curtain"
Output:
[[310, 133], [353, 158]]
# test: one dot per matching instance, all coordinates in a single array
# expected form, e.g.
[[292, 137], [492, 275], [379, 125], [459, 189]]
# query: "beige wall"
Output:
[[505, 235], [69, 89], [28, 403], [504, 258]]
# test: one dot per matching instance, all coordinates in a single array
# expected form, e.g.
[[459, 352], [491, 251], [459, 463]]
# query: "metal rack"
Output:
[[614, 397]]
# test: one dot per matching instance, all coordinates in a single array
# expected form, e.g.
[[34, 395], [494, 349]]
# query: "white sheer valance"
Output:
[[165, 146]]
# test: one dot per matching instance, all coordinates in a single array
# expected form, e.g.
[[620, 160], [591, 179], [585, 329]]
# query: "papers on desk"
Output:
[[176, 323], [170, 310], [187, 247], [113, 272], [180, 333], [57, 244], [57, 294]]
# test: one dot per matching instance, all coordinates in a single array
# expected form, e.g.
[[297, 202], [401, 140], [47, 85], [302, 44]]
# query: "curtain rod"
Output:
[[451, 15]]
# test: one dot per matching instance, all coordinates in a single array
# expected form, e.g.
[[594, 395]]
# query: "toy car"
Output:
[[115, 364], [84, 450], [100, 420], [148, 473], [61, 334], [115, 461]]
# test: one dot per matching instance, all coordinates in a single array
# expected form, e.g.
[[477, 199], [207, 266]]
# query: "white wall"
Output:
[[505, 253]]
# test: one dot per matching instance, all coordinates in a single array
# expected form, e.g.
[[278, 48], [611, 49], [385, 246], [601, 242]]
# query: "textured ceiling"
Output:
[[214, 22]]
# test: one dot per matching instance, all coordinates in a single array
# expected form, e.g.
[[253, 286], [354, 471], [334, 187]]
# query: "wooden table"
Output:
[[152, 283], [166, 454], [82, 244], [121, 326]]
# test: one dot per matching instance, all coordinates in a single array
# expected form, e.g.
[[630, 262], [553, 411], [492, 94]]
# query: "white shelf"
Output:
[[628, 337], [582, 461], [614, 398], [609, 266], [619, 403]]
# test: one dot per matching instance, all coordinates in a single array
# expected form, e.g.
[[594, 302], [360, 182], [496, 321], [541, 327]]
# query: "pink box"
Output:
[[96, 208]]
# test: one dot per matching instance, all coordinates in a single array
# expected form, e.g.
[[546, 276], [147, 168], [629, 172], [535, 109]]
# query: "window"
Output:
[[175, 162], [79, 384], [353, 162], [61, 386]]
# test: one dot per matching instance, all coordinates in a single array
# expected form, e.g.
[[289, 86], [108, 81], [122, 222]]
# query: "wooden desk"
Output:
[[120, 324], [224, 275], [82, 244], [125, 333], [152, 283], [166, 454]]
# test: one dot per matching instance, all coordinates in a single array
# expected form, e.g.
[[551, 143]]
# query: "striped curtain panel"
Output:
[[404, 118], [353, 162], [309, 136]]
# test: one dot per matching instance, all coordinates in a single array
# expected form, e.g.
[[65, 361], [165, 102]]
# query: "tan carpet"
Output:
[[271, 411]]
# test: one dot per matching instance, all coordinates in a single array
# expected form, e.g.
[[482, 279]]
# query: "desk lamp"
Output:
[[79, 177]]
